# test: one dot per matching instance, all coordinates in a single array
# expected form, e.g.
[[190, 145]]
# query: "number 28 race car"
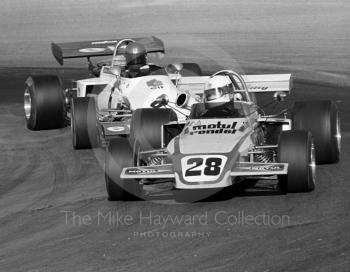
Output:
[[213, 150]]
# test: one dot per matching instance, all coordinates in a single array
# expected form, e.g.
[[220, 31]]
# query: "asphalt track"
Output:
[[54, 215]]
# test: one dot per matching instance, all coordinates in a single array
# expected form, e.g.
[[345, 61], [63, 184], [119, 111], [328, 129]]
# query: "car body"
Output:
[[108, 95], [206, 152], [217, 152]]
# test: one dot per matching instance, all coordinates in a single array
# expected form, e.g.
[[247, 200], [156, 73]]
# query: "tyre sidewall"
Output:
[[84, 123], [47, 102], [119, 155], [295, 148], [320, 118]]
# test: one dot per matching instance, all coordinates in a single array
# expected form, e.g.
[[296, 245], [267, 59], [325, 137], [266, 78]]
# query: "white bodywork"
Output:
[[140, 92], [217, 152]]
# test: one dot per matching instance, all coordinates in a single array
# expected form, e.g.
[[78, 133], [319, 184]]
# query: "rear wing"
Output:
[[100, 48], [255, 83], [269, 83]]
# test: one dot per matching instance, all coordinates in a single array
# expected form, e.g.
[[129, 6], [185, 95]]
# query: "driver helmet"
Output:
[[135, 54], [217, 91]]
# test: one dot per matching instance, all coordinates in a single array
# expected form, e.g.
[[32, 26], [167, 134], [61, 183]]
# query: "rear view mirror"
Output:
[[160, 101], [279, 96], [174, 68], [115, 70]]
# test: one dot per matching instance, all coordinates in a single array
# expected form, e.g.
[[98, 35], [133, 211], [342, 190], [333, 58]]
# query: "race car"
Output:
[[209, 152], [100, 107]]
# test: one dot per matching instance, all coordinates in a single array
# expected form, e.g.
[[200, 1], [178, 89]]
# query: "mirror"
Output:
[[279, 96], [115, 70], [174, 68], [160, 101]]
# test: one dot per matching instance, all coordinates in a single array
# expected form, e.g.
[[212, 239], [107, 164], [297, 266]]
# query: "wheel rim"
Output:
[[338, 133], [312, 164], [27, 103]]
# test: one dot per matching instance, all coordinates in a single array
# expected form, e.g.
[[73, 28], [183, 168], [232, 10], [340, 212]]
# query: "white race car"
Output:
[[100, 107], [202, 154]]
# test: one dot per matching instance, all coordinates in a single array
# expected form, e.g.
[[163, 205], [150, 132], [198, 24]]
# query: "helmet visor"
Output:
[[215, 93], [139, 59]]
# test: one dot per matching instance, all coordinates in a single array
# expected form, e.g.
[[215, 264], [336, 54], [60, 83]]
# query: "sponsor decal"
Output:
[[217, 128], [92, 50], [264, 88], [116, 129], [268, 167], [155, 84], [104, 42], [143, 171]]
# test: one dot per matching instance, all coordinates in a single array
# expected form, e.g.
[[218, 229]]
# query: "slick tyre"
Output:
[[146, 126], [119, 155], [44, 103], [321, 118], [84, 123], [296, 148]]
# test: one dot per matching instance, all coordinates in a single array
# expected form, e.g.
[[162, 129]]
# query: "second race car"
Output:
[[100, 107]]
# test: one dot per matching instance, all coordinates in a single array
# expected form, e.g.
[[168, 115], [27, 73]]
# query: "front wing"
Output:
[[166, 171]]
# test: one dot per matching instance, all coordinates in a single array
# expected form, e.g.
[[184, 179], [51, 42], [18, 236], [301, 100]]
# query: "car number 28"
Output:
[[202, 168]]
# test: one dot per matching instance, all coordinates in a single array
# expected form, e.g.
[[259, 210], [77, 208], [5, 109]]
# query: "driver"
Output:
[[219, 96], [136, 60]]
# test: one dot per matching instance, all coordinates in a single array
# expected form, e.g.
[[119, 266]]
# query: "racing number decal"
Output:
[[202, 168], [213, 166], [191, 171]]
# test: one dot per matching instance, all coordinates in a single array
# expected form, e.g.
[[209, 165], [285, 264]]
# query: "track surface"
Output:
[[53, 207]]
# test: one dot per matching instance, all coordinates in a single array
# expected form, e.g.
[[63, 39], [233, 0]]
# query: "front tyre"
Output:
[[84, 123], [296, 148], [118, 156], [146, 126], [44, 102]]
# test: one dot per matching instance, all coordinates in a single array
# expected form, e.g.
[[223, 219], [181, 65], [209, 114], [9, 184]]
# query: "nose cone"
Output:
[[213, 136]]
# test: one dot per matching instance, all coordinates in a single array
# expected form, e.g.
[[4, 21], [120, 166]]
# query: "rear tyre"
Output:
[[146, 126], [44, 103], [296, 148], [119, 155], [84, 123], [191, 69], [321, 118]]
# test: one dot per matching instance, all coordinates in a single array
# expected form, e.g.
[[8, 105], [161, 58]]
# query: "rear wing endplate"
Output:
[[100, 48]]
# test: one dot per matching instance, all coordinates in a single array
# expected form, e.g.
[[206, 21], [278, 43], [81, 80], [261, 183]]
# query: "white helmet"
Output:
[[218, 90]]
